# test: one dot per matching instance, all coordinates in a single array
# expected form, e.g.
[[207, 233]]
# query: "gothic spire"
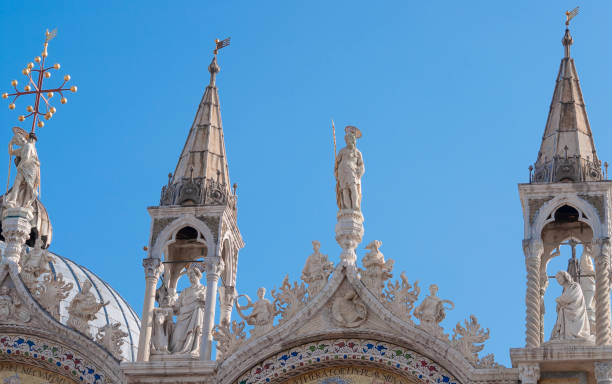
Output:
[[567, 153], [202, 167]]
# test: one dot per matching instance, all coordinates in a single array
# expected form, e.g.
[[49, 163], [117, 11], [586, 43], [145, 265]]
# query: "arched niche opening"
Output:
[[567, 240]]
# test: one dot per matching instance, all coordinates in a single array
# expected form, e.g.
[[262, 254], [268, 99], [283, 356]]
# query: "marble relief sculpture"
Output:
[[572, 319], [51, 291], [348, 171], [189, 310], [348, 310], [34, 263], [27, 181], [377, 270], [317, 270], [262, 313], [83, 308], [11, 308], [432, 311], [162, 329]]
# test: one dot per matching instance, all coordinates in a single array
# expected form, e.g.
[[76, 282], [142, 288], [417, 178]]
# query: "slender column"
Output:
[[214, 266], [533, 249], [603, 372], [153, 269], [602, 292], [529, 373], [227, 295], [16, 229]]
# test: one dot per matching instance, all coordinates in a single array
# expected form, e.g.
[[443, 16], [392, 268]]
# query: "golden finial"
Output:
[[221, 44], [48, 37], [569, 15]]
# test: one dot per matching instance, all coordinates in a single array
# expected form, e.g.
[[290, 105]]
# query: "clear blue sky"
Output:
[[452, 99]]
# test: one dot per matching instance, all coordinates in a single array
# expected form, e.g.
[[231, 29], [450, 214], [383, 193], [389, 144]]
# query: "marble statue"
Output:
[[348, 170], [11, 308], [377, 270], [189, 310], [262, 314], [432, 311], [587, 284], [34, 263], [111, 337], [83, 308], [572, 319], [51, 291], [162, 329], [317, 270], [27, 181], [348, 310]]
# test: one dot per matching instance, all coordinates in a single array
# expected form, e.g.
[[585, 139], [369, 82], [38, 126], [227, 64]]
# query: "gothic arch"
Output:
[[185, 220], [588, 215]]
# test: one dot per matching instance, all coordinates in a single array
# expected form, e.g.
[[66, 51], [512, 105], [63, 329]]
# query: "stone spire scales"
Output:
[[567, 152]]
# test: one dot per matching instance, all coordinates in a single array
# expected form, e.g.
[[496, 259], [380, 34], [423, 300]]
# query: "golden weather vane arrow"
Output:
[[34, 86], [569, 15]]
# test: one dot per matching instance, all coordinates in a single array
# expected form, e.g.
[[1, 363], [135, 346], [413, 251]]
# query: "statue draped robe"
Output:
[[572, 320], [188, 328]]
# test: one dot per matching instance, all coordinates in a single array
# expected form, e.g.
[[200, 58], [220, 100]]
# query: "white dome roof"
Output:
[[117, 310]]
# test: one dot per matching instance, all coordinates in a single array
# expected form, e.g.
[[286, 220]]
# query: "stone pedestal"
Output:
[[349, 232], [16, 227]]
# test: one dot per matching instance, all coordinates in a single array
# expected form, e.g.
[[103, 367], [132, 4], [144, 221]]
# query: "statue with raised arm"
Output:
[[262, 315], [377, 270], [572, 319], [27, 181], [189, 310], [432, 311], [317, 270], [348, 170], [83, 309]]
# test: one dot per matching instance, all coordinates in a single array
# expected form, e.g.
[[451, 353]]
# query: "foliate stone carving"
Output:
[[33, 264], [317, 270], [602, 291], [377, 271], [289, 299], [529, 373], [262, 313], [432, 311], [348, 310], [27, 182], [572, 319], [112, 338], [603, 372], [216, 193], [533, 249], [50, 292], [162, 330], [83, 308], [189, 310], [12, 309], [400, 298], [229, 338], [469, 339]]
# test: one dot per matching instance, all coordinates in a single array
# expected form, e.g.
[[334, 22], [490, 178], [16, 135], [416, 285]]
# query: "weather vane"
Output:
[[34, 86], [221, 44], [569, 15]]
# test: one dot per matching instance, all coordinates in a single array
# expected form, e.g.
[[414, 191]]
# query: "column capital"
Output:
[[153, 267], [529, 373], [533, 248], [601, 247], [214, 266], [603, 372]]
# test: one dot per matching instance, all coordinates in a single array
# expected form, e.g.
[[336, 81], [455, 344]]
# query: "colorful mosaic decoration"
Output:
[[354, 351], [53, 357]]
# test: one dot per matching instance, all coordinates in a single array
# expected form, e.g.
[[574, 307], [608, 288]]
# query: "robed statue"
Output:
[[189, 310], [27, 181], [572, 319], [348, 170]]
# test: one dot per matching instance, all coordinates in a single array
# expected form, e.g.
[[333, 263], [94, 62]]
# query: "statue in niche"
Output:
[[34, 263], [27, 182], [572, 320], [317, 270], [377, 270], [189, 310], [162, 329], [83, 309], [587, 284], [262, 314], [432, 311], [348, 170], [348, 310]]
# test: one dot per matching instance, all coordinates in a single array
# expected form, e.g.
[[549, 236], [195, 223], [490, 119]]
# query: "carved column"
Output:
[[529, 373], [16, 229], [214, 266], [349, 231], [603, 372], [227, 295], [153, 269], [533, 253], [602, 291]]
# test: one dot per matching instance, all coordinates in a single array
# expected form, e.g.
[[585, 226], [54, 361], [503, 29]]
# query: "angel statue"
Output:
[[432, 311], [27, 182], [262, 315], [348, 170]]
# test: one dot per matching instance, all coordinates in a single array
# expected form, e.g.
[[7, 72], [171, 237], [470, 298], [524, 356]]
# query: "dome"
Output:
[[116, 311]]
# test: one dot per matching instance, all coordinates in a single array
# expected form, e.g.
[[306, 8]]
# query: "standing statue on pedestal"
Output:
[[27, 182], [572, 319], [317, 270], [348, 171], [189, 309]]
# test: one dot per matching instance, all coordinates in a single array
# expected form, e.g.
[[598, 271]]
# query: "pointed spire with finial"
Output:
[[567, 152]]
